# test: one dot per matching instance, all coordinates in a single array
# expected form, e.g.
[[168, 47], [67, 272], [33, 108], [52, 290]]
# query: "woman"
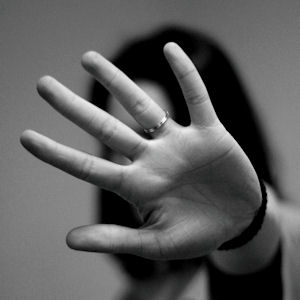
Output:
[[194, 188], [140, 59]]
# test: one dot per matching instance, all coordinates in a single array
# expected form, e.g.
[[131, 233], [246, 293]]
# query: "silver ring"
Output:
[[160, 124]]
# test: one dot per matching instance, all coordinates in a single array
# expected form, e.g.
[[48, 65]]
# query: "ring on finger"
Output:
[[159, 125]]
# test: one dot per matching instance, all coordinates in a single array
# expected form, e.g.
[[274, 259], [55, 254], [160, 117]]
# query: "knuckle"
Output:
[[140, 243], [186, 73], [118, 183], [197, 98], [108, 130], [73, 98], [110, 83], [139, 148], [86, 168], [140, 106], [91, 123]]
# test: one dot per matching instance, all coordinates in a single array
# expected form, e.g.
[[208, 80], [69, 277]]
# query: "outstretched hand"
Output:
[[193, 186]]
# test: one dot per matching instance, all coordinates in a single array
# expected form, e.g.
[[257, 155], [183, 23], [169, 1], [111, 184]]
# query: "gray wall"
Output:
[[40, 204]]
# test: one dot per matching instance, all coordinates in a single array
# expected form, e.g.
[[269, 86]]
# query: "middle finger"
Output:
[[92, 119]]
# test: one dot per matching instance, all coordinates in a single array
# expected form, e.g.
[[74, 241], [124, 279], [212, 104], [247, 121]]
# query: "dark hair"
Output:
[[143, 59]]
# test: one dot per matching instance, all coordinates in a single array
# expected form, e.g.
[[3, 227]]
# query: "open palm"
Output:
[[193, 186]]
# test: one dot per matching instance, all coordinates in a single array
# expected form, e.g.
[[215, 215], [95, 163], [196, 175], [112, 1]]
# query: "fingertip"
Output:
[[88, 59], [26, 137], [33, 142], [45, 80], [72, 240], [170, 45], [170, 48], [82, 239], [43, 84]]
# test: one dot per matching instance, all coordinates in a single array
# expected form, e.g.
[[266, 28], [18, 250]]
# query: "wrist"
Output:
[[255, 254], [253, 228]]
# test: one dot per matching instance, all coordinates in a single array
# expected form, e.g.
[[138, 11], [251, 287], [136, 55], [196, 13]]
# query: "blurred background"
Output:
[[40, 204]]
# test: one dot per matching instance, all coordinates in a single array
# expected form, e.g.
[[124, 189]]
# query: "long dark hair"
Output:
[[143, 59]]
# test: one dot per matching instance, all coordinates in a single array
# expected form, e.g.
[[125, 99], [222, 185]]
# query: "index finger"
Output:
[[193, 88]]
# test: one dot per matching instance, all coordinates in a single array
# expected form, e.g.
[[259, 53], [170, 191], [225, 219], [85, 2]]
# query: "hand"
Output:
[[193, 186]]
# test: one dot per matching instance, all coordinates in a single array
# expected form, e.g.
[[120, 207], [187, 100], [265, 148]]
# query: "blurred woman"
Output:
[[143, 62]]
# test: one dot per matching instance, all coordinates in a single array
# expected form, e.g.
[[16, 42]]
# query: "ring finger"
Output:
[[144, 110]]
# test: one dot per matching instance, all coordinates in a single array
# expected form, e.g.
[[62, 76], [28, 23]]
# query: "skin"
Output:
[[238, 261], [193, 186]]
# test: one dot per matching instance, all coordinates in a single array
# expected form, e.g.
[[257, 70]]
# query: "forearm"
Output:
[[256, 254]]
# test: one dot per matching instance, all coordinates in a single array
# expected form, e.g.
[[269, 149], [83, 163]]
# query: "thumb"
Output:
[[114, 239]]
